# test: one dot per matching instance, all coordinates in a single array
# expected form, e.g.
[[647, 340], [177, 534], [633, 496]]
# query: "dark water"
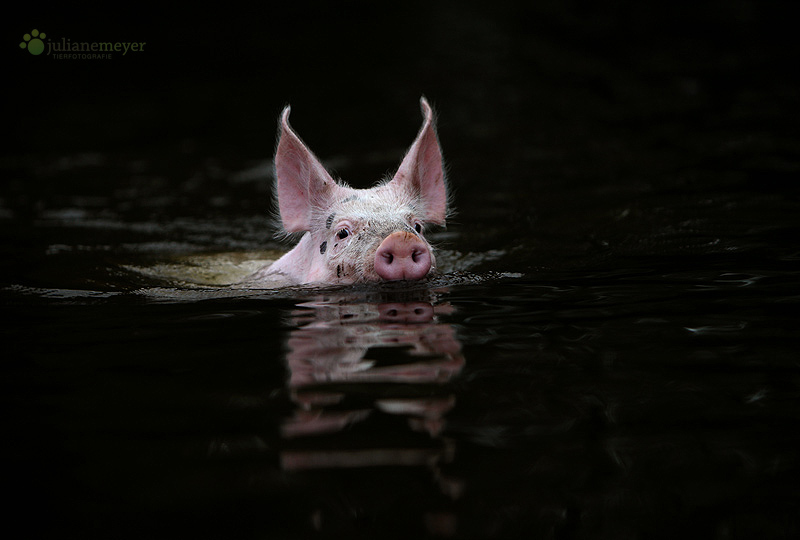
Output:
[[612, 352]]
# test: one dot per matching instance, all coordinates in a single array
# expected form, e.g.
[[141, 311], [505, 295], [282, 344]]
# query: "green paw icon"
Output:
[[33, 43]]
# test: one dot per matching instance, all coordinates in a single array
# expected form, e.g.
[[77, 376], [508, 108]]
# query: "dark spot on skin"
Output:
[[350, 198], [329, 221], [322, 247], [338, 270]]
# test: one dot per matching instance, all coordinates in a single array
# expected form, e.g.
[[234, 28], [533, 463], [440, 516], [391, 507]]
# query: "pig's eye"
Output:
[[344, 233], [418, 227]]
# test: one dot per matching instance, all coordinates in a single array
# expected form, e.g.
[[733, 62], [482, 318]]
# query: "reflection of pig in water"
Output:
[[333, 346], [354, 235], [340, 348], [371, 383]]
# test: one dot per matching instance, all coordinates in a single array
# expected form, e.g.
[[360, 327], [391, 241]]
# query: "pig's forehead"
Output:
[[372, 202]]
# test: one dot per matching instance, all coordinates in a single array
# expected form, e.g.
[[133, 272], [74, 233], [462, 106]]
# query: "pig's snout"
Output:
[[402, 255]]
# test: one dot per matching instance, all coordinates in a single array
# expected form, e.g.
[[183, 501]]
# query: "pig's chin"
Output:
[[371, 276]]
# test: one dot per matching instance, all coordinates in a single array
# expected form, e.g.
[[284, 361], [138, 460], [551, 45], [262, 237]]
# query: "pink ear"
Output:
[[302, 182], [422, 171]]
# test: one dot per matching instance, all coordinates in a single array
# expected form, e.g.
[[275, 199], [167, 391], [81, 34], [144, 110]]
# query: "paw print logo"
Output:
[[33, 43]]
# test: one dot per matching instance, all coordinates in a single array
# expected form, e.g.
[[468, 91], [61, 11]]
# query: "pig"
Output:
[[358, 235]]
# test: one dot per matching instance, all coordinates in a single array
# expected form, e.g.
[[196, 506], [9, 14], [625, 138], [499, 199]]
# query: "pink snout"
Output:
[[402, 255]]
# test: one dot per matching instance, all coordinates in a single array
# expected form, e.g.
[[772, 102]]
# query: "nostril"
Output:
[[389, 257]]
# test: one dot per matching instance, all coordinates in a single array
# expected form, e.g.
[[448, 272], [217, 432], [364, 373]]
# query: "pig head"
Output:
[[355, 235]]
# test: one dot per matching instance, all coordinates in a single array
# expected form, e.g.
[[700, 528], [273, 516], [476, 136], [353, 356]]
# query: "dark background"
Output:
[[521, 74], [539, 100]]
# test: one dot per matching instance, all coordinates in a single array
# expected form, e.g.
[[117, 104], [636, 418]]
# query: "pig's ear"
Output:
[[422, 171], [303, 184]]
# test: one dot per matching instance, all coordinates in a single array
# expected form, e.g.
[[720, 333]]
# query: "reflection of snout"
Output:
[[401, 312], [402, 255]]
